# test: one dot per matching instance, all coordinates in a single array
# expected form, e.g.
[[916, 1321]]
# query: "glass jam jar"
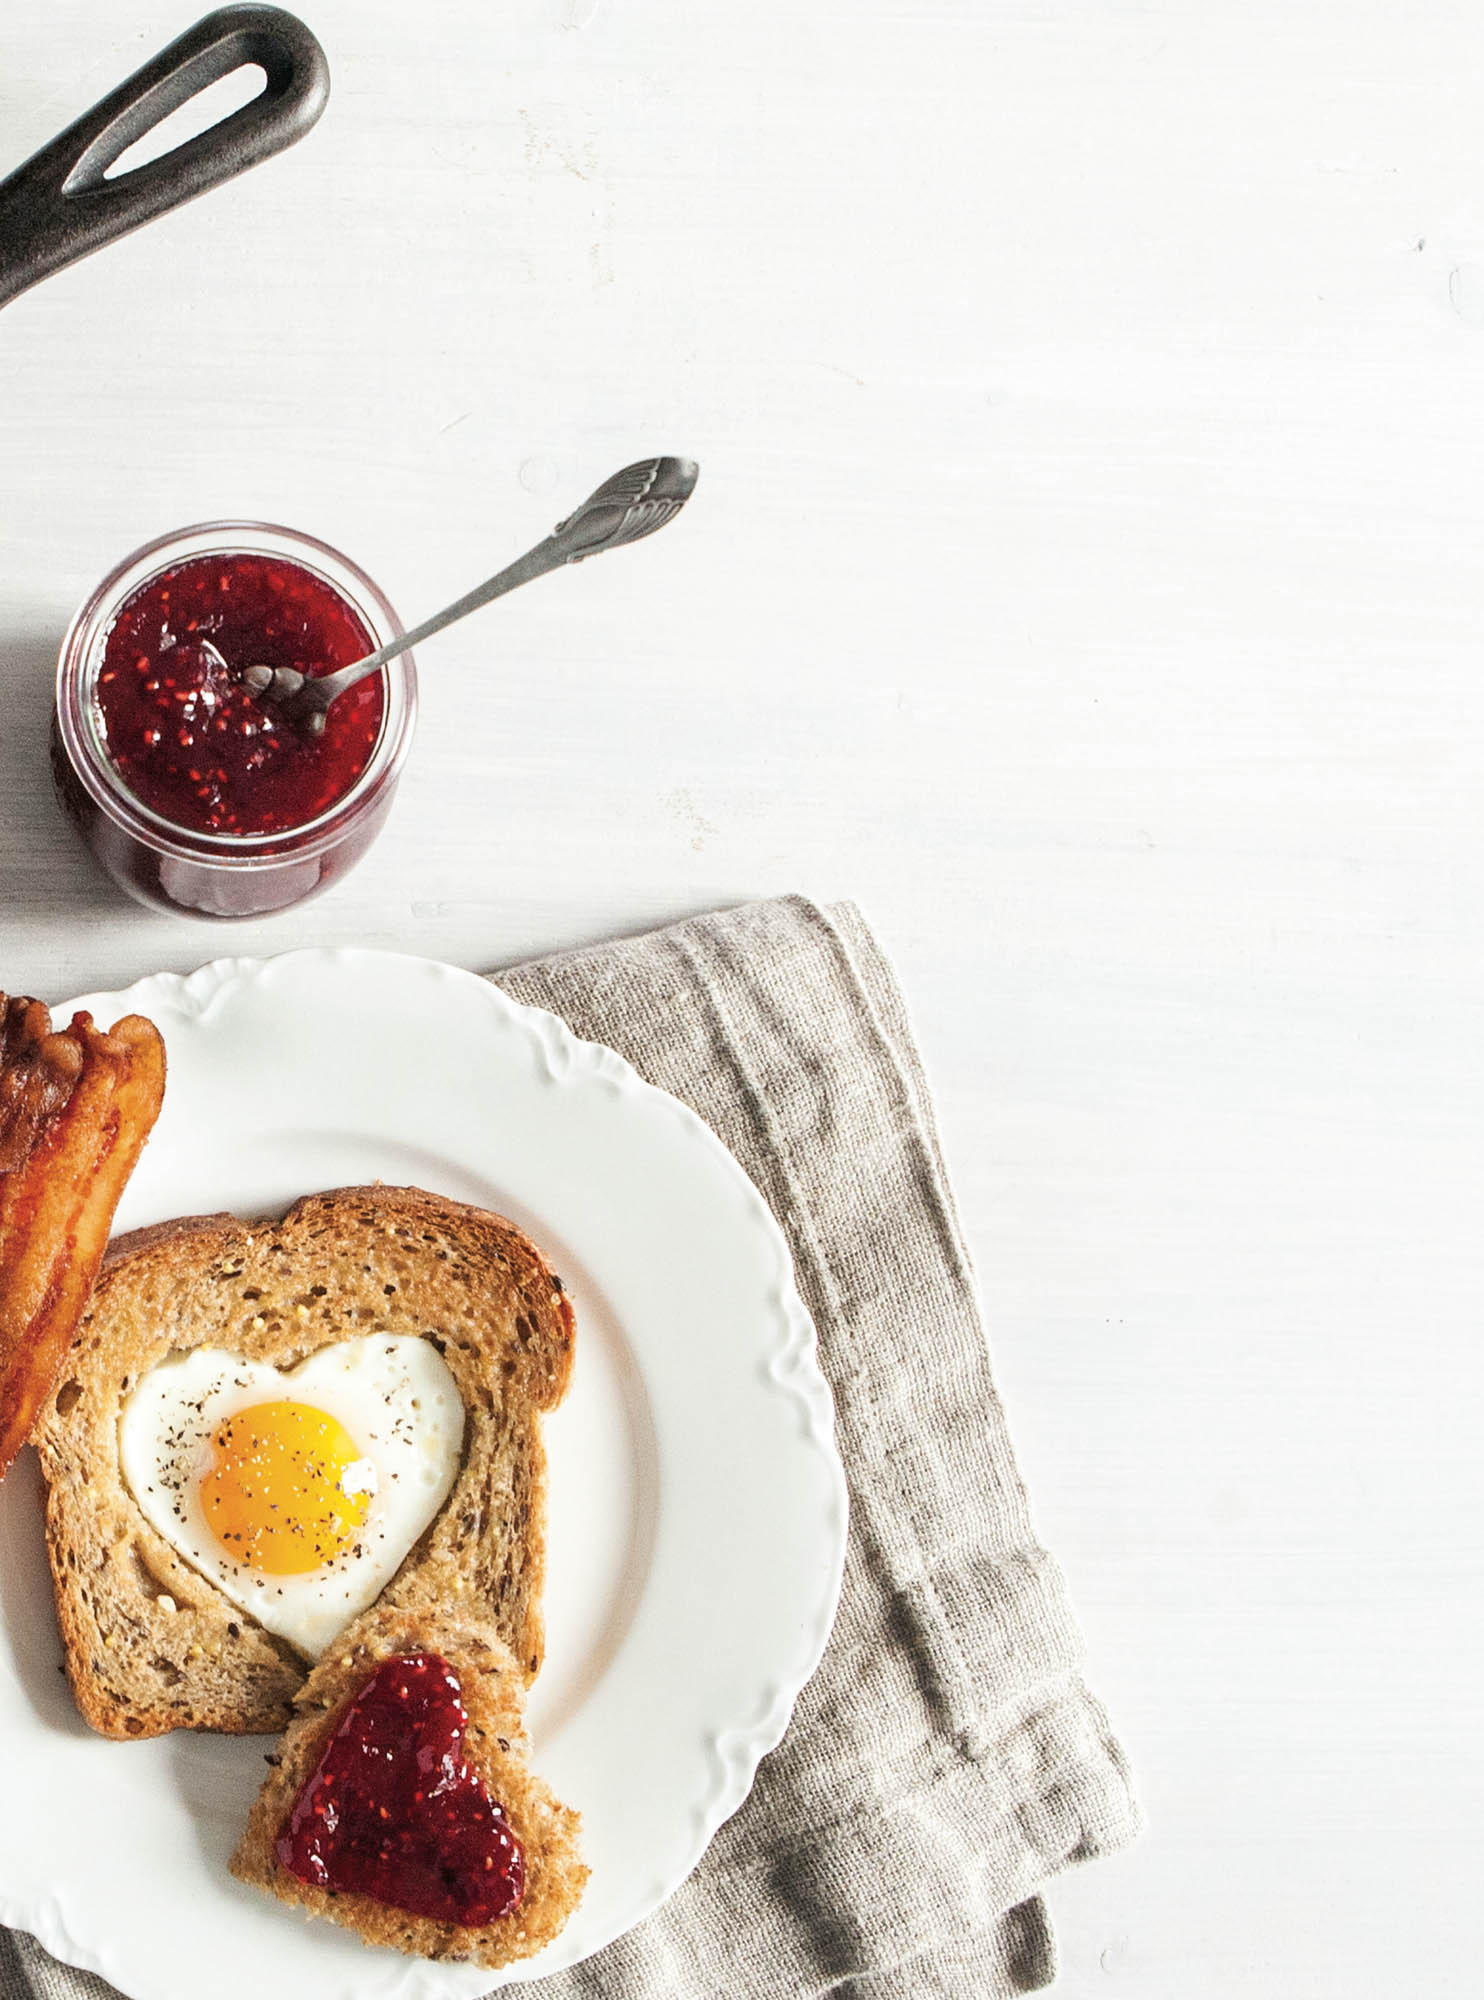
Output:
[[193, 794]]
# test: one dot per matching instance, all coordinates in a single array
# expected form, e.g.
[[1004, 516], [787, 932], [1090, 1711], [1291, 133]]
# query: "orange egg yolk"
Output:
[[277, 1496]]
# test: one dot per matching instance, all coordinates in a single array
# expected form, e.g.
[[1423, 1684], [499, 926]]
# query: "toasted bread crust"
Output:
[[150, 1644], [493, 1688]]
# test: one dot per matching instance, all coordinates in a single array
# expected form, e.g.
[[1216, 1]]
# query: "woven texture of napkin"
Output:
[[946, 1761]]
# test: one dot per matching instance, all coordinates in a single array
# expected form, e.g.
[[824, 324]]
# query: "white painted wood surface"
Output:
[[1085, 576]]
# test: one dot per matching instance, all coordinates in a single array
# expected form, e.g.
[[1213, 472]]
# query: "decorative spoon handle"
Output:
[[625, 508]]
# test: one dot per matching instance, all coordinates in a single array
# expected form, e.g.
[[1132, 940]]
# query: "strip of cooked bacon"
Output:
[[37, 1072], [71, 1130]]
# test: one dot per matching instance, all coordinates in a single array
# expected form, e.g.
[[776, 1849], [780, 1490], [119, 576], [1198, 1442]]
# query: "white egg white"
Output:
[[394, 1395]]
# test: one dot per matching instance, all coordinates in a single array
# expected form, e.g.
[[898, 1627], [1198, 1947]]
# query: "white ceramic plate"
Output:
[[697, 1522]]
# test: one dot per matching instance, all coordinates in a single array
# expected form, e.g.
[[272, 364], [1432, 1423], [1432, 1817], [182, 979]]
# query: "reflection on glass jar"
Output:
[[192, 793]]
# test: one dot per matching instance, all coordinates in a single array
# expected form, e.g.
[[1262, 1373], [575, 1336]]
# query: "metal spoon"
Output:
[[630, 505]]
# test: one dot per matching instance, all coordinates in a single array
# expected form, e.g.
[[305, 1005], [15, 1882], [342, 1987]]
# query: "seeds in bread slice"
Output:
[[492, 1688], [150, 1643]]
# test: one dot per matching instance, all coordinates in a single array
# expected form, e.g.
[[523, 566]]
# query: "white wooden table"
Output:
[[1086, 576]]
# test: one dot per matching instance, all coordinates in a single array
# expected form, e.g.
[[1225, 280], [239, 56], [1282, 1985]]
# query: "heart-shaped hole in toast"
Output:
[[298, 1493]]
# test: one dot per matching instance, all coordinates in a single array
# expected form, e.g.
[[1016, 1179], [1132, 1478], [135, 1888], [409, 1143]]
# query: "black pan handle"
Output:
[[58, 206]]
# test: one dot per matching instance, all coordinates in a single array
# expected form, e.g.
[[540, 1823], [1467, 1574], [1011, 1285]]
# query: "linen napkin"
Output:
[[946, 1761]]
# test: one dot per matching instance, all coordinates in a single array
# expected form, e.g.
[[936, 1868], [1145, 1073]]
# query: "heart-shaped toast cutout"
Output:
[[298, 1493], [393, 1810]]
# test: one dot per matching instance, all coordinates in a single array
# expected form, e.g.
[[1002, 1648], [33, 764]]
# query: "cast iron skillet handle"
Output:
[[58, 206]]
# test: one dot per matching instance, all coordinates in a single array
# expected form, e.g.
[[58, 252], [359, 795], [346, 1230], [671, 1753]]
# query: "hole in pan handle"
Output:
[[59, 206]]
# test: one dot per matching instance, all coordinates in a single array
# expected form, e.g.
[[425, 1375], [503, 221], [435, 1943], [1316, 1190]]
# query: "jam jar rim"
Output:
[[81, 656]]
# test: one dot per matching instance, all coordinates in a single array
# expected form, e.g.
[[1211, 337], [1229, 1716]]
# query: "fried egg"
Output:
[[296, 1493]]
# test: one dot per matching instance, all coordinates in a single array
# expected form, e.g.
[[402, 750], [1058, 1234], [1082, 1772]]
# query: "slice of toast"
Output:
[[492, 1688], [150, 1644]]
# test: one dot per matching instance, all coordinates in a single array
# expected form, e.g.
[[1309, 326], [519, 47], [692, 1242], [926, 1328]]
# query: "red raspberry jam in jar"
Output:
[[194, 794], [187, 737]]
